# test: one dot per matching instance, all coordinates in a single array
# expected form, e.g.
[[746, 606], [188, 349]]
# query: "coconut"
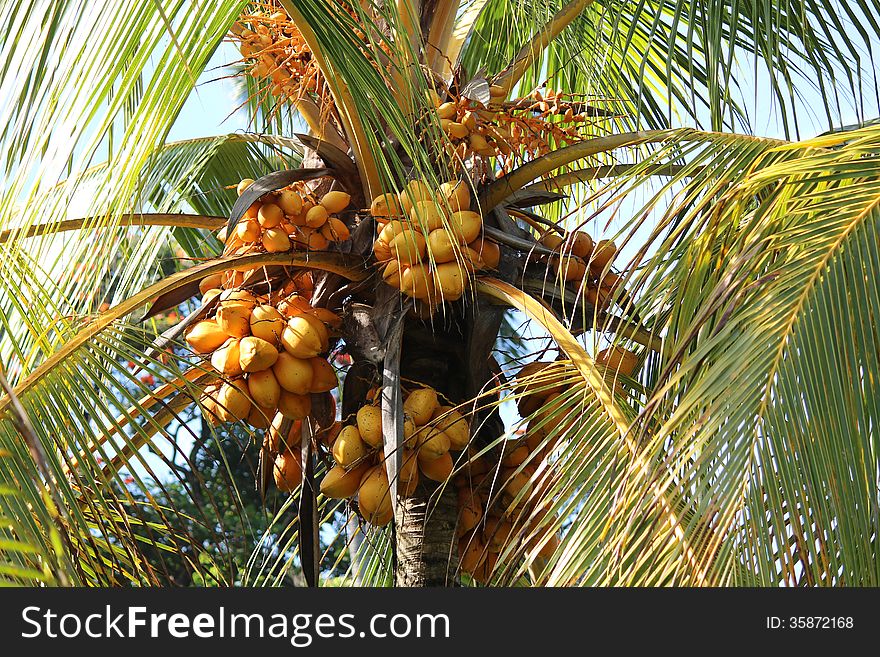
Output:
[[456, 130], [450, 280], [420, 405], [270, 215], [418, 282], [234, 318], [369, 423], [264, 388], [282, 434], [294, 305], [386, 205], [316, 216], [410, 431], [552, 241], [432, 443], [581, 245], [427, 216], [465, 225], [408, 247], [382, 251], [374, 492], [276, 240], [415, 191], [226, 359], [618, 359], [340, 483], [324, 376], [489, 252], [442, 245], [515, 455], [210, 282], [248, 231], [326, 316], [256, 354], [287, 470], [233, 403], [436, 469], [290, 202], [571, 268], [293, 374], [243, 185], [516, 483], [456, 194], [470, 511], [335, 201], [293, 406], [335, 230], [447, 110], [304, 336], [267, 323], [238, 297], [603, 253], [391, 274], [454, 425], [260, 417], [206, 336], [392, 229], [349, 447]]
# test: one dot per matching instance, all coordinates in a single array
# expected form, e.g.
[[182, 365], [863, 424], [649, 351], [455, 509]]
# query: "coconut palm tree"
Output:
[[592, 328]]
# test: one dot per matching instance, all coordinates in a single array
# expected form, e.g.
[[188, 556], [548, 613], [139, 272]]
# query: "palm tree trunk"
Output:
[[425, 546]]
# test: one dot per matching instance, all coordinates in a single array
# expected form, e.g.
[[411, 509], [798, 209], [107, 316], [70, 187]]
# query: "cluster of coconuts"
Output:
[[494, 497], [581, 260], [420, 220], [470, 127], [431, 430], [286, 219], [267, 352], [277, 51]]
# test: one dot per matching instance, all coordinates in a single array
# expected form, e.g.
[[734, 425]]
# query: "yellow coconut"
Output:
[[290, 202], [211, 282], [293, 406], [264, 388], [603, 253], [391, 274], [415, 191], [618, 359], [582, 245], [324, 376], [260, 417], [326, 316], [496, 533], [442, 245], [391, 230], [275, 240], [234, 319], [420, 405], [465, 225], [267, 323], [340, 483], [427, 216], [571, 268], [516, 483], [253, 211], [447, 110], [472, 553], [408, 247], [233, 402], [243, 185], [293, 374], [470, 511], [369, 423], [374, 493], [304, 336], [451, 280], [316, 216], [226, 359], [489, 252], [515, 455], [431, 443], [335, 230], [248, 231], [454, 425], [335, 201], [256, 354], [238, 297], [349, 447], [418, 282], [456, 194], [437, 469], [206, 336], [270, 215], [287, 470], [386, 205]]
